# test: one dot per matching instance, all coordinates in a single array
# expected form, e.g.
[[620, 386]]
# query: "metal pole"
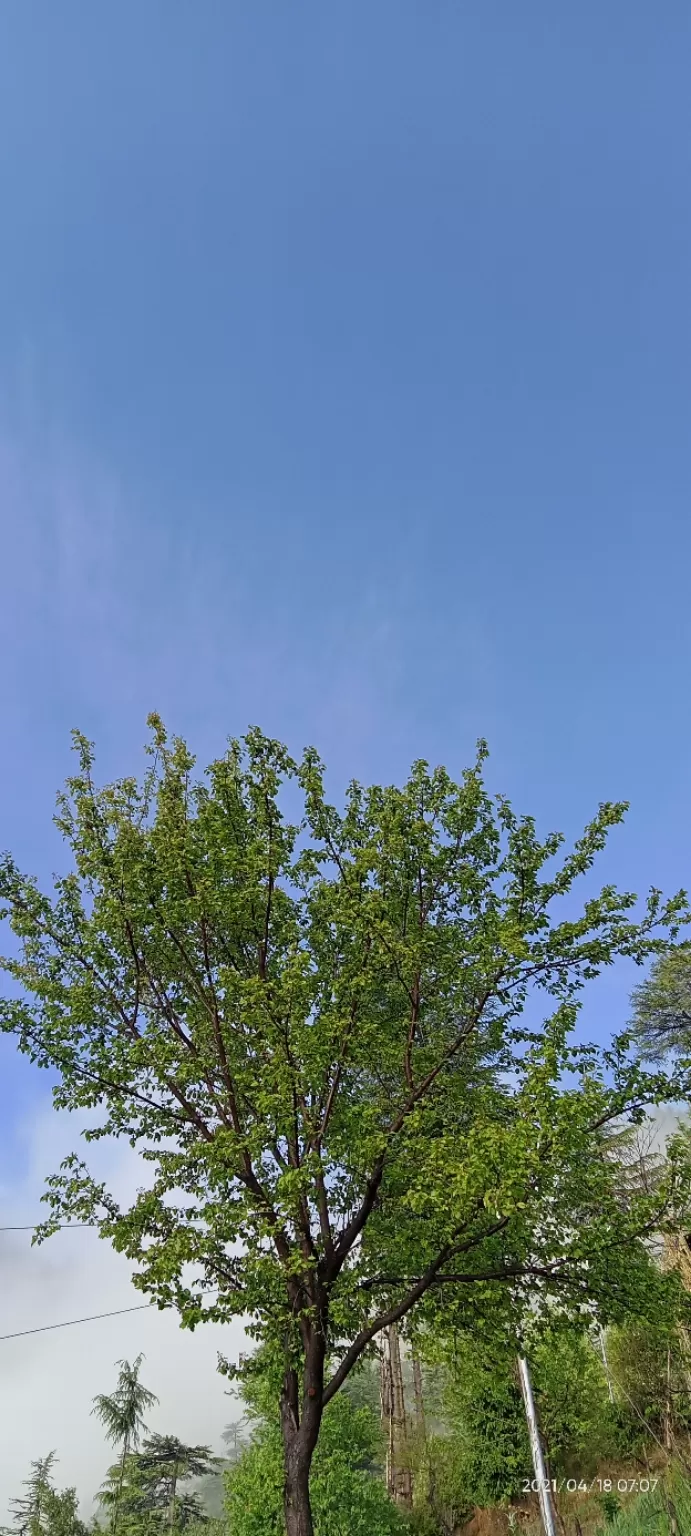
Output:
[[539, 1468]]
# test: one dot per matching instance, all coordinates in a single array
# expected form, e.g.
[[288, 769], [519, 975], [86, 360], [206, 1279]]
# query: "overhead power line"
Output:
[[64, 1226], [73, 1321]]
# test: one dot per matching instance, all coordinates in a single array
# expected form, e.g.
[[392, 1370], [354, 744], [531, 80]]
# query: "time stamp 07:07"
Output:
[[597, 1485]]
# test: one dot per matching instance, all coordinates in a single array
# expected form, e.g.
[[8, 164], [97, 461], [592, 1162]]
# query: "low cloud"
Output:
[[48, 1380]]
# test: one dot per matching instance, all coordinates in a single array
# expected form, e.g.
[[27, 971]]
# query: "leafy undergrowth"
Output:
[[659, 1513], [665, 1511]]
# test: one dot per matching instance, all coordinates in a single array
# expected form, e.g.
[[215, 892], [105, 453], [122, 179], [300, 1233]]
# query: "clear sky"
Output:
[[345, 381]]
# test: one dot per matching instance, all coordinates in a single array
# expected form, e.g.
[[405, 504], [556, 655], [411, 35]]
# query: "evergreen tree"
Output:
[[42, 1511], [29, 1509], [661, 1019], [61, 1514], [165, 1462], [122, 1416]]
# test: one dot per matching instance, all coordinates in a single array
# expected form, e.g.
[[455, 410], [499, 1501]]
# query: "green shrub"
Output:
[[651, 1513], [486, 1417], [347, 1500]]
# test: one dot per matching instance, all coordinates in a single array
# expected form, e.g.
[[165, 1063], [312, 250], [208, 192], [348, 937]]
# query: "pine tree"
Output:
[[166, 1462], [122, 1416], [28, 1512], [42, 1511]]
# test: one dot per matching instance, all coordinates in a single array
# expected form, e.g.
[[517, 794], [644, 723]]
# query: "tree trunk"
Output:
[[672, 1517], [444, 1517], [173, 1490], [685, 1352], [668, 1404], [386, 1406], [296, 1496], [417, 1389], [300, 1424], [118, 1496], [605, 1362], [398, 1474]]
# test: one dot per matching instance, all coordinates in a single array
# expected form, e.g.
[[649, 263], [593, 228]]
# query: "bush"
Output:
[[490, 1447], [638, 1356], [650, 1515], [347, 1500]]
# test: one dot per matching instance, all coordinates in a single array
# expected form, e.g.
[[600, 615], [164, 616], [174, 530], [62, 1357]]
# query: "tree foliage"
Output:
[[28, 1509], [661, 1018], [42, 1510], [347, 1498], [165, 1463], [151, 1489], [313, 1032], [487, 1418], [122, 1412], [651, 1370], [122, 1415]]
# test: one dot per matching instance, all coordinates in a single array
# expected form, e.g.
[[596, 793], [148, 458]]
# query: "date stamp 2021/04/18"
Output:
[[596, 1485]]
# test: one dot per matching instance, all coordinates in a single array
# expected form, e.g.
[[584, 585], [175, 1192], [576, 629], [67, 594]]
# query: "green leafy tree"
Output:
[[42, 1511], [122, 1416], [661, 1019], [483, 1454], [577, 1420], [128, 1492], [62, 1514], [314, 1034], [28, 1511], [650, 1372], [347, 1499], [165, 1462]]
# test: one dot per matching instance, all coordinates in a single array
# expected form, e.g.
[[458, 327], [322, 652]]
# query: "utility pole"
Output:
[[544, 1491]]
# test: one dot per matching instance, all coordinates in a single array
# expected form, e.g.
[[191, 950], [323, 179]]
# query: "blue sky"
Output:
[[345, 376]]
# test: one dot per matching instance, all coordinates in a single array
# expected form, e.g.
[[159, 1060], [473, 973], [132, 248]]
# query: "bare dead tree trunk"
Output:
[[386, 1400], [417, 1389], [605, 1362], [668, 1404], [398, 1475]]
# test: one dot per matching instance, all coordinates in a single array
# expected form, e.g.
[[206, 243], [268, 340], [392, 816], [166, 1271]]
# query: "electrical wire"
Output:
[[73, 1321], [64, 1226]]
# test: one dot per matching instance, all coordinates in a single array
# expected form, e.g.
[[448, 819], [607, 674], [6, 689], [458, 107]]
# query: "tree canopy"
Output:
[[42, 1510], [122, 1412], [314, 1033], [662, 1006], [346, 1499]]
